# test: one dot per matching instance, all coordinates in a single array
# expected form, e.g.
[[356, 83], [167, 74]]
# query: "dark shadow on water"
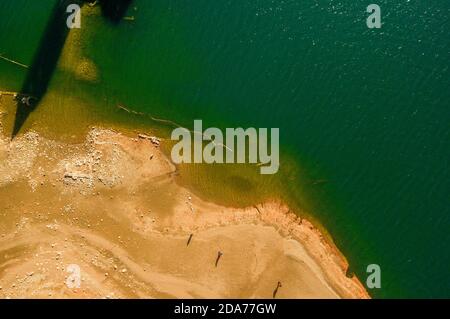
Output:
[[43, 65], [47, 55], [114, 10]]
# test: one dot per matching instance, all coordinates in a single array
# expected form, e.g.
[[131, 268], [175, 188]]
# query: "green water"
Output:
[[365, 110]]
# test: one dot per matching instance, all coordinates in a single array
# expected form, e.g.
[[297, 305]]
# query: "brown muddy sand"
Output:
[[111, 207]]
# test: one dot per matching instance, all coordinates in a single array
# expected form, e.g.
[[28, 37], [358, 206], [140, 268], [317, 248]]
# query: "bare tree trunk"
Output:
[[219, 254], [276, 290], [189, 240]]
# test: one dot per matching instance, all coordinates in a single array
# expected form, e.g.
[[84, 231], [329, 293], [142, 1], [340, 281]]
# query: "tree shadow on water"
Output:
[[115, 10], [49, 50]]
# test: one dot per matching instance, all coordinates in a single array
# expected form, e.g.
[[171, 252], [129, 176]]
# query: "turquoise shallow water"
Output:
[[366, 110]]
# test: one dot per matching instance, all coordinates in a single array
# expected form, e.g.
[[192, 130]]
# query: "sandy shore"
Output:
[[111, 206]]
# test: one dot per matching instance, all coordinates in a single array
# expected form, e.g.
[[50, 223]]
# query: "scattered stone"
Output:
[[53, 227], [153, 139], [77, 176], [68, 209], [143, 136]]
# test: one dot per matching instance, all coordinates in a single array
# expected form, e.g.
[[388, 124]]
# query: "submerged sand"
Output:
[[112, 207]]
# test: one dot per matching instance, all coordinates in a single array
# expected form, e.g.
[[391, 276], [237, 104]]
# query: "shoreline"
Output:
[[141, 200]]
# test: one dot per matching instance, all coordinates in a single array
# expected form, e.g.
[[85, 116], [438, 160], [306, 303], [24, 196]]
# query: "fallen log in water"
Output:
[[14, 62]]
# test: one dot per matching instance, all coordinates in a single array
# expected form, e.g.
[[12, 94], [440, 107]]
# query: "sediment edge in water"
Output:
[[125, 185]]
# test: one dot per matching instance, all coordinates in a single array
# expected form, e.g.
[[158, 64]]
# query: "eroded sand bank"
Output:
[[111, 206]]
